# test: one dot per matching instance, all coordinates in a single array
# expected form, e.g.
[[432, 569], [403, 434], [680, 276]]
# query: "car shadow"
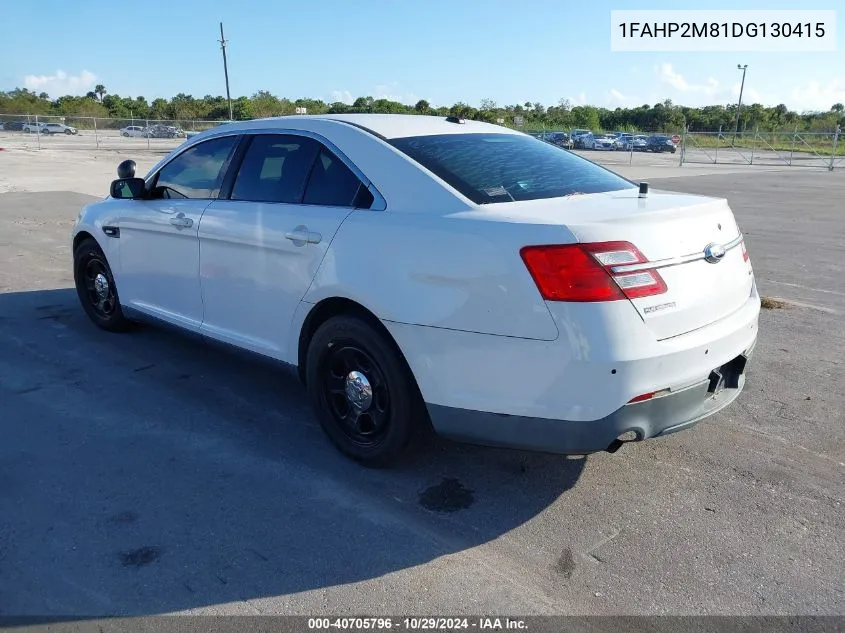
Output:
[[152, 472]]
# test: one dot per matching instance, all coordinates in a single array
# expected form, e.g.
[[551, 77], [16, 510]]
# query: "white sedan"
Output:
[[58, 128], [132, 131], [427, 272]]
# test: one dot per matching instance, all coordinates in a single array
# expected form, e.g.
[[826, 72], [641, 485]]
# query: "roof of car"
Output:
[[392, 125]]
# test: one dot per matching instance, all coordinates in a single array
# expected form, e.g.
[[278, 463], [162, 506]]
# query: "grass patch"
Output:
[[770, 303]]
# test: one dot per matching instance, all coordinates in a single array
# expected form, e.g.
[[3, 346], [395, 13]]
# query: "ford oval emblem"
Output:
[[713, 253]]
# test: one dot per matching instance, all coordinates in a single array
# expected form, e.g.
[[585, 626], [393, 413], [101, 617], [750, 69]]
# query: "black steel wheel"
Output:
[[364, 394], [96, 288]]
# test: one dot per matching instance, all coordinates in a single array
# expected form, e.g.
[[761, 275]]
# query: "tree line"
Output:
[[660, 117]]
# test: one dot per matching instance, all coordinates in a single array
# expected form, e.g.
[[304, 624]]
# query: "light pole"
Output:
[[225, 69], [739, 105]]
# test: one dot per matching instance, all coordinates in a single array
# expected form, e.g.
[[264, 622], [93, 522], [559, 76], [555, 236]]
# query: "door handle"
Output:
[[181, 222], [302, 236]]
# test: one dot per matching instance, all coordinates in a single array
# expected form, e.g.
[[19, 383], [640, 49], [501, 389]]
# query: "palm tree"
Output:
[[100, 91]]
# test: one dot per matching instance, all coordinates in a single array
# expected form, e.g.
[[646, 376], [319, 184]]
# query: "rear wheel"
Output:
[[364, 394], [96, 288]]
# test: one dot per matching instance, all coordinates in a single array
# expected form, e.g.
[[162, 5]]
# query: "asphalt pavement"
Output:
[[151, 473]]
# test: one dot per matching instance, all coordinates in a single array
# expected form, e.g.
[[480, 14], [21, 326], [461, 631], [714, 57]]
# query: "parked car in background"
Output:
[[561, 139], [132, 131], [603, 142], [584, 320], [624, 142], [33, 128], [583, 140], [639, 143], [660, 144], [160, 131], [13, 126], [58, 128], [577, 138]]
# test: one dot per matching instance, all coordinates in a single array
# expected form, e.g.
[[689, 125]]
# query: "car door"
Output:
[[159, 247], [261, 247]]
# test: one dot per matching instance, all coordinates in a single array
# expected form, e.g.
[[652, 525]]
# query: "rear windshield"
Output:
[[489, 168]]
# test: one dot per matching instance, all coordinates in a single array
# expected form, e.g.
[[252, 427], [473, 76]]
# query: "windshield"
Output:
[[489, 168]]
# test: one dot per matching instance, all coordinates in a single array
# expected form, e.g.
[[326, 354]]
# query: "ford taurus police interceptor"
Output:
[[426, 272]]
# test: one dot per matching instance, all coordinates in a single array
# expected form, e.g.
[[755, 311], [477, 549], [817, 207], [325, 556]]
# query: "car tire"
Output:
[[68, 132], [96, 288], [389, 419]]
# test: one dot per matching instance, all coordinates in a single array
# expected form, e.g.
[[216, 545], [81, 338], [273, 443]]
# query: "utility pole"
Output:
[[739, 105], [226, 71]]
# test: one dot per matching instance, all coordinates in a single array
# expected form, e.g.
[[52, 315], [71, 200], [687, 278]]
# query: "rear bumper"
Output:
[[652, 418]]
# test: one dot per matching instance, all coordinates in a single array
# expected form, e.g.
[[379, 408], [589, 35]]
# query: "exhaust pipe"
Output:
[[624, 438], [615, 445]]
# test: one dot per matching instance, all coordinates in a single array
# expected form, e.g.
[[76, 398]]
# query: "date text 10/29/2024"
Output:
[[418, 624]]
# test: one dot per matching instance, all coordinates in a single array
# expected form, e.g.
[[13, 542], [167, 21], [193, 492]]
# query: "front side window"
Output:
[[275, 168], [196, 173], [490, 168]]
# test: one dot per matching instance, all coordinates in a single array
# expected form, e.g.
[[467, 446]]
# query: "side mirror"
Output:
[[128, 188]]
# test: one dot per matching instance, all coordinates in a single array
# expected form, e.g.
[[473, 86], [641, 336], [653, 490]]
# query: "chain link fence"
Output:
[[656, 147], [29, 131], [644, 148], [776, 149]]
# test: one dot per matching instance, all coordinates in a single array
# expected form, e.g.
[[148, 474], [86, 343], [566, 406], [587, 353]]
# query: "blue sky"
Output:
[[442, 51]]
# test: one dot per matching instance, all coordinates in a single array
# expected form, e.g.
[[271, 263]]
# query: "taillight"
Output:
[[744, 251], [648, 396], [583, 272]]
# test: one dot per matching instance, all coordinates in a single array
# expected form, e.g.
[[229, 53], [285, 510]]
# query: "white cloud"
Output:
[[579, 99], [668, 75], [344, 96], [815, 96], [614, 98], [391, 92], [812, 95], [708, 92], [61, 83]]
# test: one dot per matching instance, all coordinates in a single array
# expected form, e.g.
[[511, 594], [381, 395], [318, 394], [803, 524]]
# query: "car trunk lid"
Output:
[[672, 231]]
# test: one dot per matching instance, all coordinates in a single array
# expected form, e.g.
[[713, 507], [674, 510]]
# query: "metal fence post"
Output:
[[683, 146], [792, 149], [147, 130], [718, 140], [835, 141], [96, 137], [753, 144], [37, 132]]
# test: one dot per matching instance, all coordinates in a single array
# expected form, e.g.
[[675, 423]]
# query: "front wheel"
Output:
[[363, 391], [68, 132], [96, 288]]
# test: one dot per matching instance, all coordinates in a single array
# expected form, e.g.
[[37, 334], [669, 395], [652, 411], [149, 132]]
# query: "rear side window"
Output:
[[197, 172], [332, 183], [275, 168]]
